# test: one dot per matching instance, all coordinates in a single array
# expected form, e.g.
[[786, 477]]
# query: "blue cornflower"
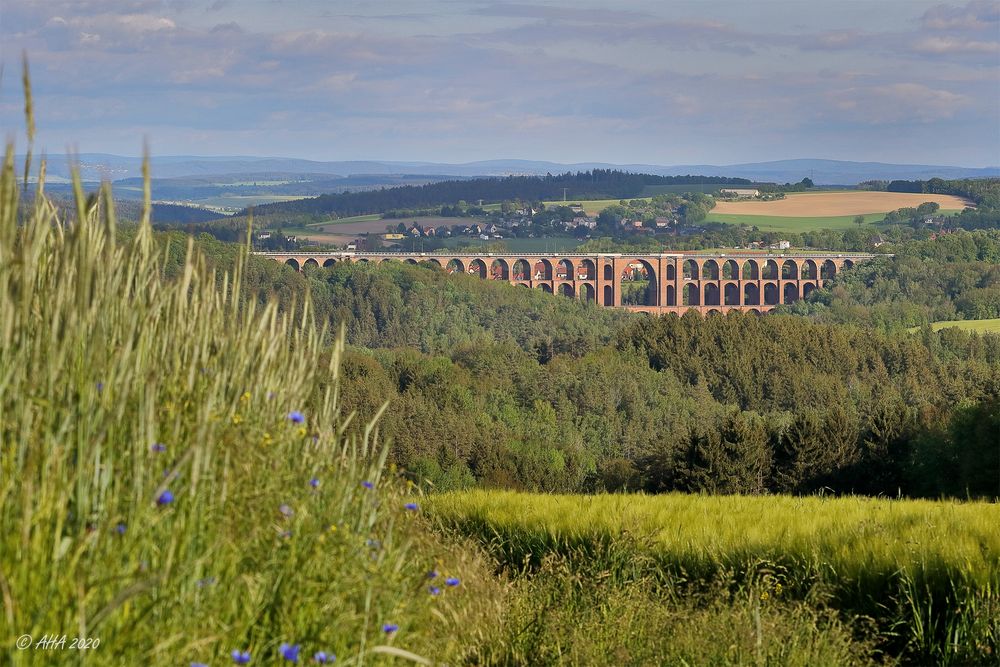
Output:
[[240, 657], [286, 510], [432, 574], [411, 506], [120, 529], [158, 447], [100, 387], [314, 482], [452, 581], [389, 628], [434, 590], [289, 652], [198, 664], [296, 417], [368, 485], [165, 498], [322, 657]]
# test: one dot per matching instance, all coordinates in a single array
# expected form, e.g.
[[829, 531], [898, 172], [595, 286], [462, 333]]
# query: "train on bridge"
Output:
[[656, 283]]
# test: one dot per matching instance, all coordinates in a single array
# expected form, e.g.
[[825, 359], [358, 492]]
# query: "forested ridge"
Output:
[[595, 184], [506, 387]]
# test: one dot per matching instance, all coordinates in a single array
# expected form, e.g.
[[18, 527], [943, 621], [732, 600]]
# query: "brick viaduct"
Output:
[[655, 283]]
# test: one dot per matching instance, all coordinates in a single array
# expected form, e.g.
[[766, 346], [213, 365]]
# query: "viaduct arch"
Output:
[[655, 283]]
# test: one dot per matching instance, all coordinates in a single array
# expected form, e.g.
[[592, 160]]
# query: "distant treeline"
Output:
[[595, 184]]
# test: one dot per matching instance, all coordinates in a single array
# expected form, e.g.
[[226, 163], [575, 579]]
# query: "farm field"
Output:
[[348, 220], [928, 569], [829, 204]]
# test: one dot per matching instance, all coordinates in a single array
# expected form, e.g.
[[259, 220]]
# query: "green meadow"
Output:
[[978, 326], [590, 206], [770, 223]]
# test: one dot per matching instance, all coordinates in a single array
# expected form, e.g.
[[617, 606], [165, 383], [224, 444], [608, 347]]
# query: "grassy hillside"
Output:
[[927, 571]]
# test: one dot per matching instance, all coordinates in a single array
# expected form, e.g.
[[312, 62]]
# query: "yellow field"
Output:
[[822, 204]]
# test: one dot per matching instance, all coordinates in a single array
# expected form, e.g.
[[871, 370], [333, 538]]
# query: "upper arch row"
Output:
[[585, 269]]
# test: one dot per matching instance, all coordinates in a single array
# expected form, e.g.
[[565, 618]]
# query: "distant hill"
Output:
[[98, 166]]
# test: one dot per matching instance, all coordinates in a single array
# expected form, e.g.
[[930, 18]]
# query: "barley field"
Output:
[[928, 572]]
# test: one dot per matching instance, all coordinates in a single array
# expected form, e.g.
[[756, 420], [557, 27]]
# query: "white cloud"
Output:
[[897, 103], [978, 15], [946, 45]]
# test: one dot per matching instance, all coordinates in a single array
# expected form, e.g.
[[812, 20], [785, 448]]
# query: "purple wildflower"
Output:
[[296, 417], [434, 590], [452, 581], [100, 387], [120, 529], [289, 652], [411, 506], [432, 574], [240, 657], [322, 657], [314, 482], [158, 447], [389, 628], [286, 510], [165, 498], [368, 485]]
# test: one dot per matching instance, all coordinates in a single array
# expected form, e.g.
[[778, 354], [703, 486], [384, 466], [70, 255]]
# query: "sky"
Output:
[[630, 81]]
